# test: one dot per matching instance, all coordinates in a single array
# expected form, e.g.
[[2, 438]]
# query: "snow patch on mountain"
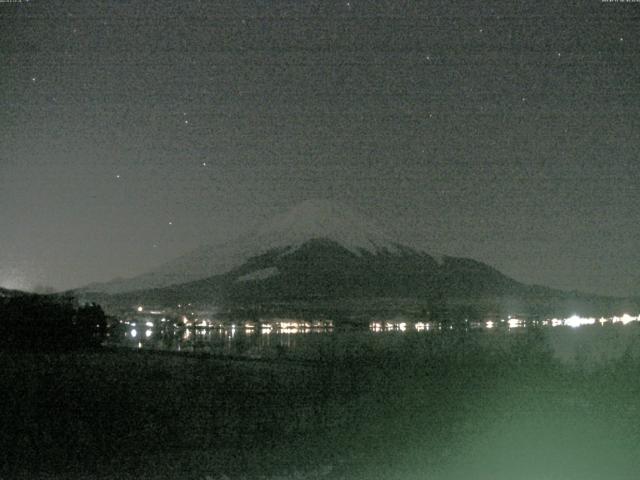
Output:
[[261, 274]]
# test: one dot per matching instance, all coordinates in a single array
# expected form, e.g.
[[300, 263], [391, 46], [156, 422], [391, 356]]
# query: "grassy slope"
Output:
[[446, 407]]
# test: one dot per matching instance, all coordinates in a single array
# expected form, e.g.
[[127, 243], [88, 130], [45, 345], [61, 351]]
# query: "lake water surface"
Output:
[[569, 339]]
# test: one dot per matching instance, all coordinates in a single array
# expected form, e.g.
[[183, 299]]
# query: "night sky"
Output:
[[134, 131]]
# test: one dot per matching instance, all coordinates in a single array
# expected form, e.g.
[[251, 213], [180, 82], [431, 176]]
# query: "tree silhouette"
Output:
[[49, 322]]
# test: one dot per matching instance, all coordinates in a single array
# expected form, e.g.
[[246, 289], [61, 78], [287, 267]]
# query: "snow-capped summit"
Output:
[[323, 219], [310, 220]]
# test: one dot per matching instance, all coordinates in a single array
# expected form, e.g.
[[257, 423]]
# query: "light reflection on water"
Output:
[[243, 338], [280, 336]]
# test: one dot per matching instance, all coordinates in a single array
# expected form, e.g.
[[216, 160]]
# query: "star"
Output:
[[33, 79], [170, 223], [186, 122], [204, 164], [117, 176]]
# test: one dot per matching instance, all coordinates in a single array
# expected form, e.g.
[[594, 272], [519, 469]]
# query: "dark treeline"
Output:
[[49, 322]]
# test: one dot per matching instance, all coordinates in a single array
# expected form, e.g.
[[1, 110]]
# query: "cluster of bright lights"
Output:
[[289, 326], [515, 322], [573, 321], [391, 326], [576, 321], [134, 333], [626, 318], [422, 326], [401, 326], [285, 326], [295, 326]]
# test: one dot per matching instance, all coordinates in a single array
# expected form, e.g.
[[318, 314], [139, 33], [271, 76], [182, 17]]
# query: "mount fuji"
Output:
[[321, 253], [310, 220]]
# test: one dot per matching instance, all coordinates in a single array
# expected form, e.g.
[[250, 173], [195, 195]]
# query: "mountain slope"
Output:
[[313, 219], [322, 272], [320, 254]]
